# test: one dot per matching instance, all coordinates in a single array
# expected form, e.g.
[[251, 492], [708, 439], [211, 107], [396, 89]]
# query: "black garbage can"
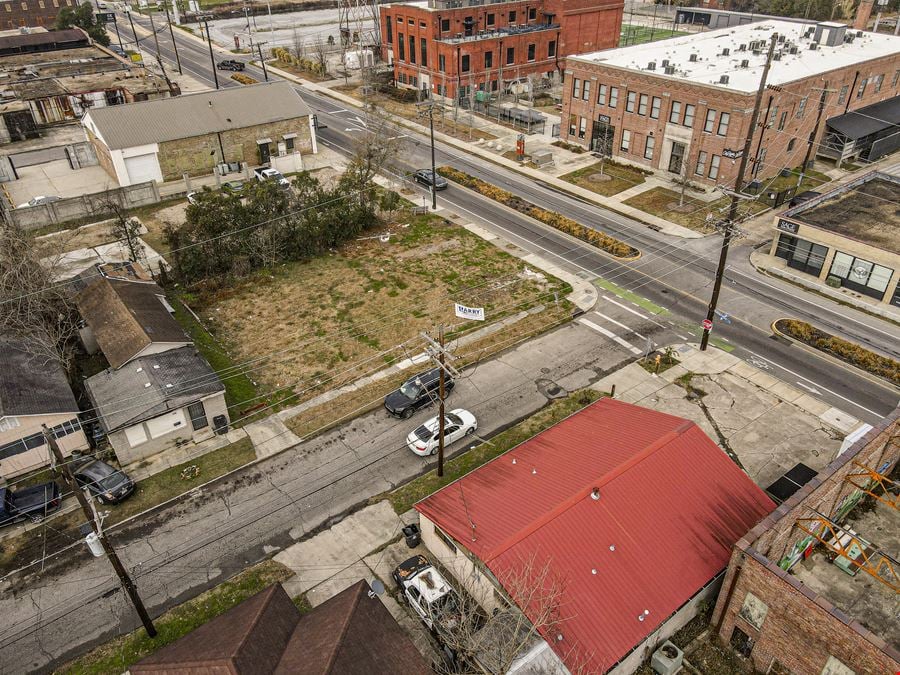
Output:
[[413, 535]]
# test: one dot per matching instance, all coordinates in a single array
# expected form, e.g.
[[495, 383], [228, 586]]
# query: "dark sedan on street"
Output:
[[417, 392], [230, 64], [107, 483], [426, 177]]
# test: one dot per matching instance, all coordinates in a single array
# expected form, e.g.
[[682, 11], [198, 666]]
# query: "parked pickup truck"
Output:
[[266, 173], [428, 593], [32, 502]]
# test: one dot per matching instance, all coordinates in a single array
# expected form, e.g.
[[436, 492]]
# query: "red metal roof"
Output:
[[671, 506]]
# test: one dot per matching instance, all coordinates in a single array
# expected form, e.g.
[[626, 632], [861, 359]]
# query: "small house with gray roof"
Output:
[[34, 392], [158, 401], [164, 140]]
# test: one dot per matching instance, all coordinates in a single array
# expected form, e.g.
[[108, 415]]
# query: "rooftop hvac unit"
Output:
[[793, 49], [692, 58], [849, 38], [745, 63], [726, 51], [777, 56], [813, 46], [781, 39], [651, 65], [723, 79], [757, 52], [670, 70], [742, 47], [667, 660], [665, 63], [810, 31], [859, 33]]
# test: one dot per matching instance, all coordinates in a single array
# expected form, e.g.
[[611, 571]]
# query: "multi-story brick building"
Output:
[[19, 13], [792, 601], [683, 105], [449, 47]]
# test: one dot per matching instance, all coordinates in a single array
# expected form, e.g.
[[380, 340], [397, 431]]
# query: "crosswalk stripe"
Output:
[[626, 307], [620, 325], [612, 336]]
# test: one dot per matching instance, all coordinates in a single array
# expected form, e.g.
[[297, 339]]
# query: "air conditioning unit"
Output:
[[726, 51], [793, 49], [757, 52], [745, 63], [667, 660], [781, 39], [651, 65], [859, 33], [777, 56], [665, 63], [813, 46], [849, 38], [670, 70], [742, 48], [692, 58], [723, 79]]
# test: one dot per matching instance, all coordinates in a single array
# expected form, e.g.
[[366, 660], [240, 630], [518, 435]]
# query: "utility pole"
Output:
[[137, 46], [212, 59], [438, 353], [262, 60], [735, 197], [428, 109], [95, 522], [156, 43], [812, 137], [172, 35], [118, 35]]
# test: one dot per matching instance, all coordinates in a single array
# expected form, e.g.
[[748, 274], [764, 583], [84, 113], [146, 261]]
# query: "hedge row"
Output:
[[850, 352], [244, 79], [308, 65], [602, 241]]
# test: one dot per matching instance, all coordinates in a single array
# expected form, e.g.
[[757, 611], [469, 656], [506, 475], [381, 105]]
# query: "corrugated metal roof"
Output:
[[671, 505], [169, 119]]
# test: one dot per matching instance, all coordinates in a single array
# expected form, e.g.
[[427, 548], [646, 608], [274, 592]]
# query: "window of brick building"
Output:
[[648, 147], [842, 97], [41, 4], [714, 167], [423, 25], [801, 107], [586, 96], [448, 542], [445, 25], [741, 642], [655, 105], [675, 112], [412, 49], [753, 611], [390, 31], [896, 78], [531, 49], [626, 140], [488, 60], [582, 127], [601, 95], [551, 49], [710, 121], [442, 63], [490, 19], [510, 55], [630, 100], [613, 97], [835, 666], [465, 63], [782, 121], [642, 104], [773, 114], [689, 115], [573, 122], [791, 144], [860, 92], [512, 17], [56, 3], [412, 22], [700, 169], [423, 52], [724, 118], [25, 6], [576, 88], [532, 13], [401, 47], [878, 81]]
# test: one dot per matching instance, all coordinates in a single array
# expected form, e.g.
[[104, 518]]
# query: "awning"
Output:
[[287, 137], [869, 120], [263, 141]]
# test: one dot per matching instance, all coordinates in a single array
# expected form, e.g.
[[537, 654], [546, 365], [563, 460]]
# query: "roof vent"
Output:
[[777, 56], [757, 52], [813, 46], [726, 51], [859, 33], [745, 63], [849, 37], [664, 63], [670, 70], [651, 65], [595, 494], [692, 58], [742, 47], [781, 39], [793, 49], [146, 385], [723, 79]]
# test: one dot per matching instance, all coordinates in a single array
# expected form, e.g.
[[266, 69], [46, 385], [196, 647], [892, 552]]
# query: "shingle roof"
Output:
[[350, 634], [126, 316], [32, 385], [151, 385], [671, 504], [169, 119], [54, 39]]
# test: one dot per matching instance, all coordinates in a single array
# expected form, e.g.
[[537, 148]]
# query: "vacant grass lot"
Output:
[[695, 214], [119, 654], [330, 320], [615, 178]]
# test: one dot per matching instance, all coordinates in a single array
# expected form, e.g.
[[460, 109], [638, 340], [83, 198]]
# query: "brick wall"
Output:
[[196, 156], [784, 107], [102, 152], [802, 629], [17, 13]]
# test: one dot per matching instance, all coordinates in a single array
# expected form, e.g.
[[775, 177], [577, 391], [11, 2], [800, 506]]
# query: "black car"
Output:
[[425, 177], [107, 483], [33, 502], [233, 187], [230, 64], [803, 197], [417, 392]]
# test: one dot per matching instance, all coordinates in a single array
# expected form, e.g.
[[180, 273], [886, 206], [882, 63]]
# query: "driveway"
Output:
[[180, 550], [58, 178]]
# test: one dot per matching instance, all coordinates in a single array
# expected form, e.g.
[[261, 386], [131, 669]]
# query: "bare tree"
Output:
[[127, 231], [485, 643], [35, 308], [320, 55], [298, 43]]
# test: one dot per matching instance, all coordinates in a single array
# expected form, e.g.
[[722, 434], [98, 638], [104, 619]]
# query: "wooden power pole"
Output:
[[735, 197], [96, 525], [438, 353]]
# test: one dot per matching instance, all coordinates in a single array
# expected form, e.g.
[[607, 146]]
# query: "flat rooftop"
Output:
[[875, 605], [864, 210], [711, 62]]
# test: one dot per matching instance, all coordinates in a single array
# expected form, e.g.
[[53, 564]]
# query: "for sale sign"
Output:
[[472, 313]]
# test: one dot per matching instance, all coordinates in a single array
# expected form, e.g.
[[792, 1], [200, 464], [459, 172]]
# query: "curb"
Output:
[[875, 379]]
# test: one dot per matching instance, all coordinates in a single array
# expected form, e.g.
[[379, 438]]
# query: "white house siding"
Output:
[[37, 457]]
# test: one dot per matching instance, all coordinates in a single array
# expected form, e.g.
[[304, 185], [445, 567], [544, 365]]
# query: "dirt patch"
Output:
[[599, 178], [72, 240]]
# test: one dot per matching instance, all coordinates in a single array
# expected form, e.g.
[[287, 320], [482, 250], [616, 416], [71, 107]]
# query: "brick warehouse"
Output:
[[787, 606], [19, 13], [448, 46], [684, 104]]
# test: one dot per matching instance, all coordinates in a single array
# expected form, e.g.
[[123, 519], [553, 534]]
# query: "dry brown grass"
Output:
[[72, 240], [328, 321]]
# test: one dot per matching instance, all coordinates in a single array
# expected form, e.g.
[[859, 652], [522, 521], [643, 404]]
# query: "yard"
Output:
[[695, 214], [314, 325], [614, 179]]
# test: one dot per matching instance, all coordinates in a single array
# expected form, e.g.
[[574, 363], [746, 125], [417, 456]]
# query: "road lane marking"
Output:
[[620, 325], [626, 307], [612, 336], [810, 389]]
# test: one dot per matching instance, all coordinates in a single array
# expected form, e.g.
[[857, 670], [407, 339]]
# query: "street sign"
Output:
[[707, 324], [106, 17], [732, 154]]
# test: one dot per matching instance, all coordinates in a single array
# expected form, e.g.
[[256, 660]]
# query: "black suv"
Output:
[[230, 64], [425, 177], [417, 392]]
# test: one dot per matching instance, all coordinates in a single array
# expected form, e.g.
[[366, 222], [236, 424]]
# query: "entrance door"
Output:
[[264, 154], [676, 159], [602, 138]]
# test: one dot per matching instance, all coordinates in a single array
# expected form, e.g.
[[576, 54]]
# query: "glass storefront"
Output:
[[801, 254], [860, 275]]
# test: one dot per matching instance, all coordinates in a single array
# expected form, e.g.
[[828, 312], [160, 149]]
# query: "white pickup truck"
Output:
[[427, 592], [266, 173]]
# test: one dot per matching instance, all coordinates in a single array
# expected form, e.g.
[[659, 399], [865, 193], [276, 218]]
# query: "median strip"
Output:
[[616, 248]]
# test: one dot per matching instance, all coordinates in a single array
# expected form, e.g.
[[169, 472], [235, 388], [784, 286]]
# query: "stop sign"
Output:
[[707, 324]]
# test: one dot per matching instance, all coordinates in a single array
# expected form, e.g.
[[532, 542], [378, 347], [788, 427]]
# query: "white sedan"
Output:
[[458, 423]]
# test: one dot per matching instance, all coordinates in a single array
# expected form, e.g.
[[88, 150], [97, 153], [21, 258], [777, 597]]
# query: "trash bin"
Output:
[[413, 535]]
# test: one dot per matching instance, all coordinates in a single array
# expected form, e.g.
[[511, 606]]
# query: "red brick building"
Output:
[[684, 104], [790, 603], [18, 13], [448, 46]]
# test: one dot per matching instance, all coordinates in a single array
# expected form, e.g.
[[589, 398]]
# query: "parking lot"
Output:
[[59, 179]]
